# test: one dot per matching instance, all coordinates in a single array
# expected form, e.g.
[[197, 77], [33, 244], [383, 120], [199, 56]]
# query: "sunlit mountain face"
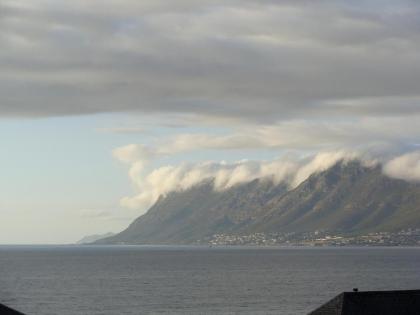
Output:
[[107, 108]]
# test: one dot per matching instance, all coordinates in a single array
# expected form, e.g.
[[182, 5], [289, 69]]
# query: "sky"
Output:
[[105, 105]]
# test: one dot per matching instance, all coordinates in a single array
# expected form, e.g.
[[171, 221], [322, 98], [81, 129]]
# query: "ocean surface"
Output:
[[43, 280]]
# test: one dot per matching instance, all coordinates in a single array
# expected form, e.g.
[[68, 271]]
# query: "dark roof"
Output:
[[4, 310], [405, 302]]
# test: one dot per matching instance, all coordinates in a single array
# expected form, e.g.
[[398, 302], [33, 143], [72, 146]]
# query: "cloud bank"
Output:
[[251, 60]]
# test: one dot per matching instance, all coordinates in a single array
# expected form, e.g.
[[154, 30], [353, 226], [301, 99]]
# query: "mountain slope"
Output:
[[93, 238], [185, 217], [347, 197]]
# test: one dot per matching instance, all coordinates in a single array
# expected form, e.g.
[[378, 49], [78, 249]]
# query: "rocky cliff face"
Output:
[[347, 198]]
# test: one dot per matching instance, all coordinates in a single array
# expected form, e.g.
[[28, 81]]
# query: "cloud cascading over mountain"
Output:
[[290, 169]]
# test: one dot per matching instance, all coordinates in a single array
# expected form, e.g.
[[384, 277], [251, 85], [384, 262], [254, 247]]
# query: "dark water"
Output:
[[192, 280]]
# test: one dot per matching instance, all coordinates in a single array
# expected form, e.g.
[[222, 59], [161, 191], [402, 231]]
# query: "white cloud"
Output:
[[134, 153], [165, 179], [406, 166], [290, 169], [321, 135], [322, 162]]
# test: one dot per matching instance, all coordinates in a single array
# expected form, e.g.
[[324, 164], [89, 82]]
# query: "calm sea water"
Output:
[[194, 280]]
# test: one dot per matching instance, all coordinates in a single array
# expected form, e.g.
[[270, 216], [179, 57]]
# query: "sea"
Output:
[[112, 280]]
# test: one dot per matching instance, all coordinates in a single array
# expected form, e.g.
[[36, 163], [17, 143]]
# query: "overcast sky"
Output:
[[102, 100]]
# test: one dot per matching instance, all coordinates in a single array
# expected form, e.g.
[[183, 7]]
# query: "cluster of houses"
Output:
[[409, 237]]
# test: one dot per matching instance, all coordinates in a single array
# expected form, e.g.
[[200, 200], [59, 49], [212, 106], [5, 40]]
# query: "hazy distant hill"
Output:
[[347, 197], [93, 238]]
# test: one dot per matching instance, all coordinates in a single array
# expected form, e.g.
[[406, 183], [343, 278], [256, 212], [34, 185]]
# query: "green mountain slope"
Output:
[[347, 197], [187, 216]]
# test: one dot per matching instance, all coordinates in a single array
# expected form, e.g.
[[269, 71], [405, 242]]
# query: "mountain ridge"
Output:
[[347, 197]]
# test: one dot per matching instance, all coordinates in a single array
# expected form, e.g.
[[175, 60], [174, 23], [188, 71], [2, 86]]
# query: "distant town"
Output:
[[408, 237]]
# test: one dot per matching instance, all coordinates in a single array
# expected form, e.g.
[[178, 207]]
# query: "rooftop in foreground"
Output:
[[4, 310], [404, 302]]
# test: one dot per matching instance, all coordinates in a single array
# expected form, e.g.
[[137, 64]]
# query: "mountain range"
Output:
[[346, 198]]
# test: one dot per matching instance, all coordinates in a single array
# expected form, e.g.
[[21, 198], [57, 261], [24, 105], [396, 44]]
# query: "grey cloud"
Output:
[[256, 60]]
